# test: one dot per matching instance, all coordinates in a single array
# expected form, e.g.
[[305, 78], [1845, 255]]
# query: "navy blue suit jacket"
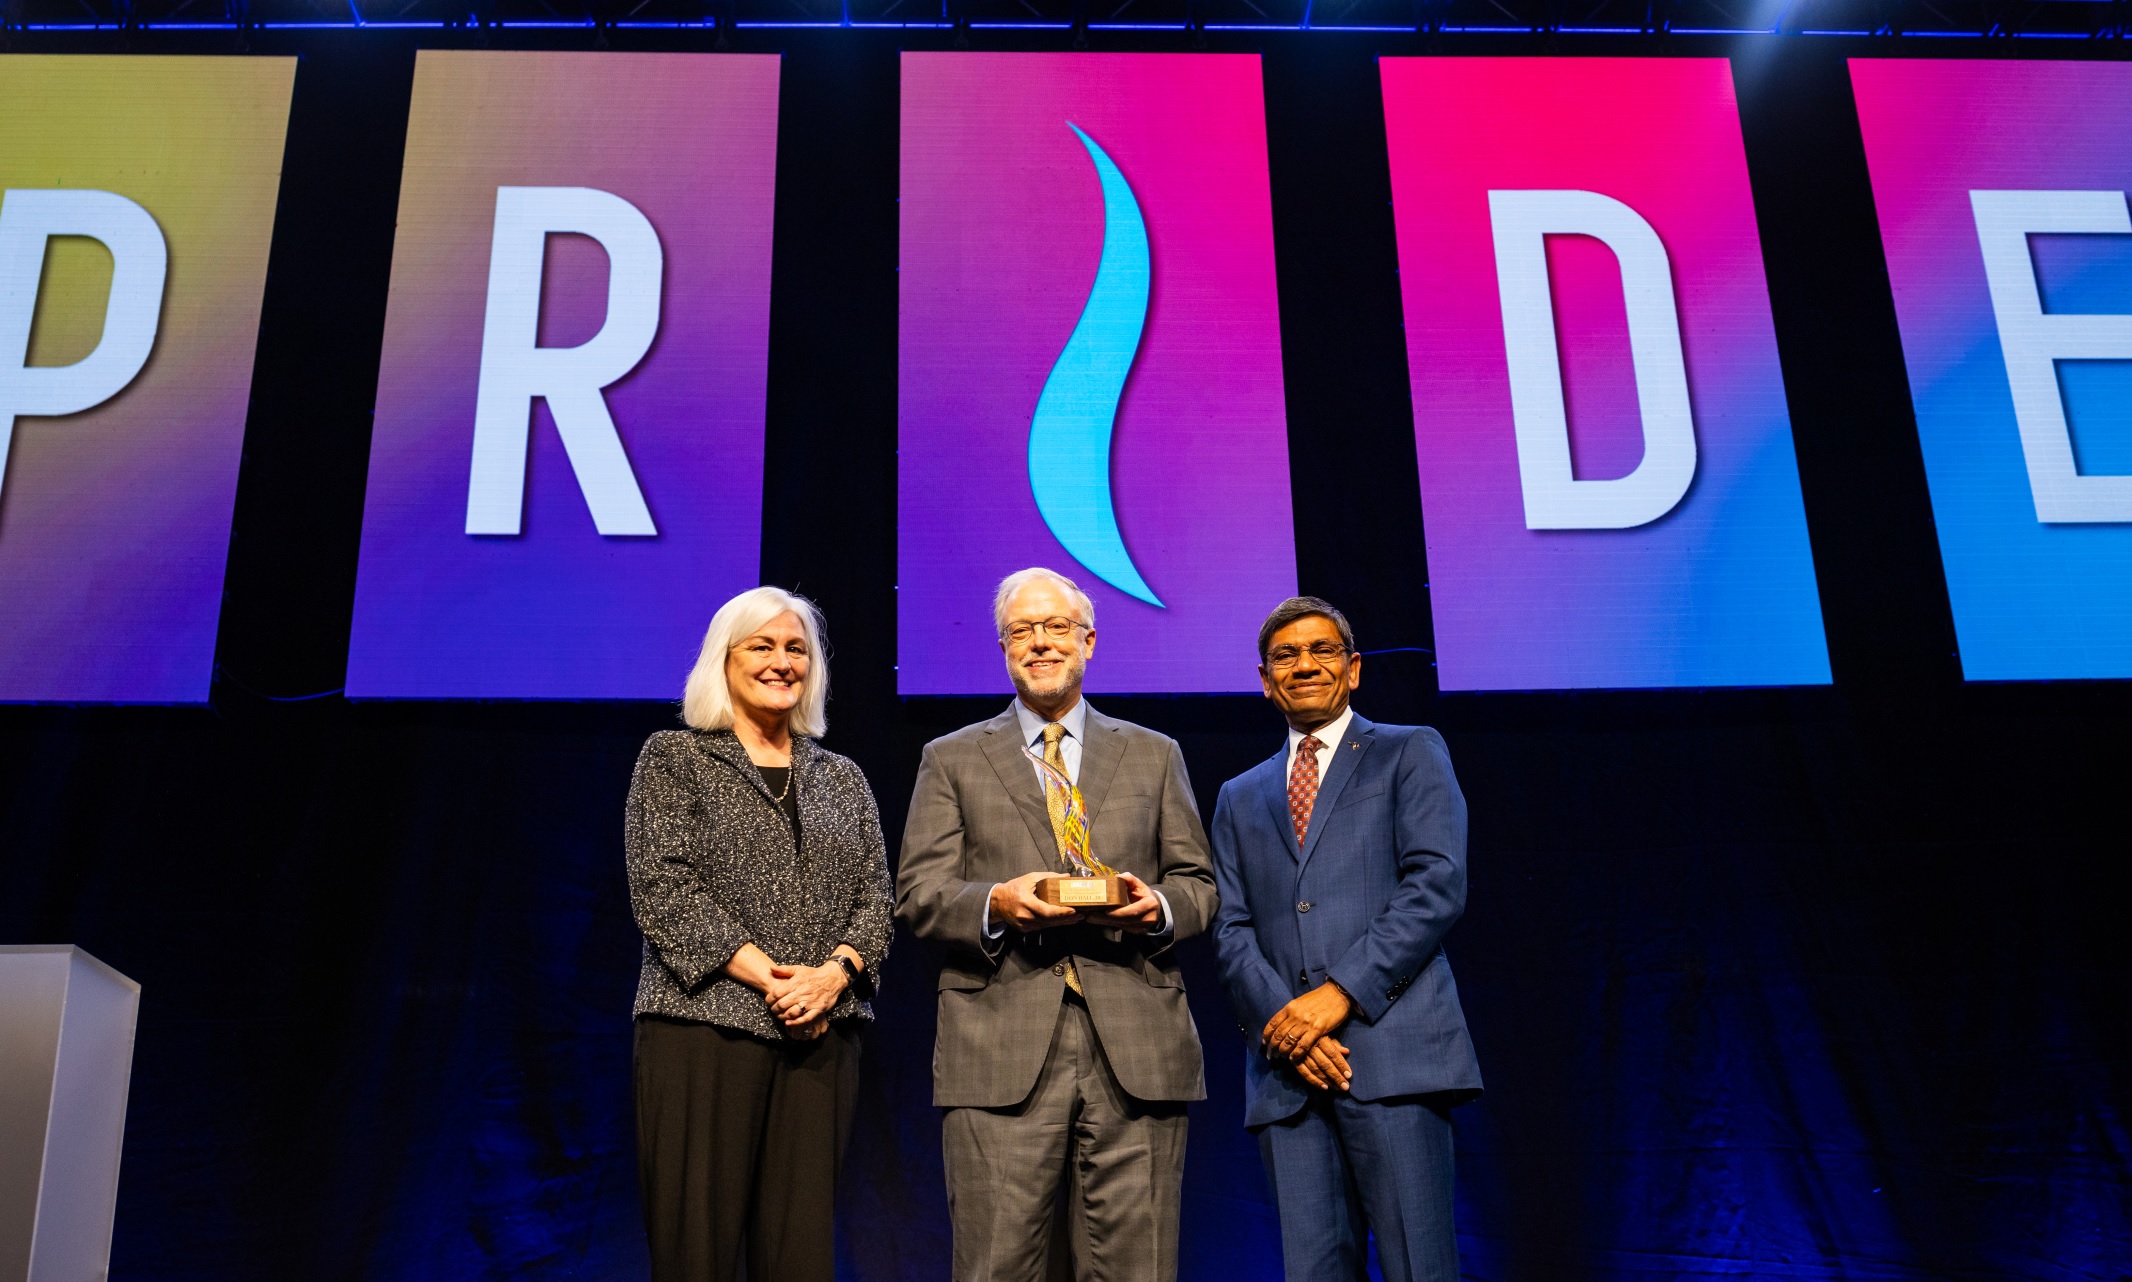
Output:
[[1366, 901]]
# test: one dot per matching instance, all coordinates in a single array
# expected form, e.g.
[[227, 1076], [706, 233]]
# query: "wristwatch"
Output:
[[860, 981]]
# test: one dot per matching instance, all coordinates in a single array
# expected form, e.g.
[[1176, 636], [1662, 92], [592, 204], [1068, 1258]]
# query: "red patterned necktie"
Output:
[[1303, 785]]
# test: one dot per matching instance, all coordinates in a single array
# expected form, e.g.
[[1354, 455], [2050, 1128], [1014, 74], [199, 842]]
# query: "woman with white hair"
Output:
[[758, 876]]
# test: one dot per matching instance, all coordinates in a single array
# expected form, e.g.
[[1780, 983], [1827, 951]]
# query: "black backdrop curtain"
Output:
[[1797, 983]]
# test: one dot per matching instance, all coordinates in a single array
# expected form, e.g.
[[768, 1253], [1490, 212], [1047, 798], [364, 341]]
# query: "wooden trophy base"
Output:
[[1082, 892]]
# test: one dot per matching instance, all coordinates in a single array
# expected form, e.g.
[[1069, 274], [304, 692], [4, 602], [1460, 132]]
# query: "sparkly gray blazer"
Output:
[[712, 867]]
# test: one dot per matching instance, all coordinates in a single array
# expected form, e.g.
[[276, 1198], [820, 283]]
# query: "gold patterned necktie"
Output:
[[1055, 802]]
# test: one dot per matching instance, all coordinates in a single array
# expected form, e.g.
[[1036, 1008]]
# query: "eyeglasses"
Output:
[[1058, 627], [1323, 652], [758, 646]]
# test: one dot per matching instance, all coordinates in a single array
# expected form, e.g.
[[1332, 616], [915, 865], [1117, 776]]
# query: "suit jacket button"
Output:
[[1303, 907], [1059, 969]]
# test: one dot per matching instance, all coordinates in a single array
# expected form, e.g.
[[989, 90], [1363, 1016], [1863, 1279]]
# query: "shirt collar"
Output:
[[1328, 734], [1075, 721]]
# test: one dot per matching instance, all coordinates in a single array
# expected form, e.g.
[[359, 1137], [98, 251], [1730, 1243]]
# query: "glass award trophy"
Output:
[[1088, 882]]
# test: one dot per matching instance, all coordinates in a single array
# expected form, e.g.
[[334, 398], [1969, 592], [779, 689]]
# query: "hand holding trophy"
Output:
[[1088, 882]]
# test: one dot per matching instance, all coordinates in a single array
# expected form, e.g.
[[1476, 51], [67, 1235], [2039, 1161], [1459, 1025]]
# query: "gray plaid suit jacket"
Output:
[[977, 817]]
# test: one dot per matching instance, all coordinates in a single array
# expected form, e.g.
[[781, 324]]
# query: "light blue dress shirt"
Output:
[[1076, 723]]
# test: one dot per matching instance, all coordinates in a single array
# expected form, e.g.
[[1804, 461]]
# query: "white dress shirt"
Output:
[[1328, 736], [1076, 723]]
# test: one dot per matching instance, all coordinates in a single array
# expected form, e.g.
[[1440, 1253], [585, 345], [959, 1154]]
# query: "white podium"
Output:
[[66, 1055]]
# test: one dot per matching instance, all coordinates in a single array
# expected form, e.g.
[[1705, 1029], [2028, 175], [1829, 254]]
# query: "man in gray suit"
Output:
[[1063, 1034]]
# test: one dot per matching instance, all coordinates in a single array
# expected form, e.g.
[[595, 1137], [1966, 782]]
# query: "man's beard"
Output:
[[1069, 681]]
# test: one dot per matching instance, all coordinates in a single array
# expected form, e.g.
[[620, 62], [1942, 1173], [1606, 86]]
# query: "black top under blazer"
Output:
[[712, 866]]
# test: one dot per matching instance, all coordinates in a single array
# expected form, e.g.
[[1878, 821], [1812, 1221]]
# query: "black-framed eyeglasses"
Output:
[[1324, 652], [1058, 627]]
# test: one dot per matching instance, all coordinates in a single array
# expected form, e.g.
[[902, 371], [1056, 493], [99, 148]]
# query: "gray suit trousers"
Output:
[[1005, 1165]]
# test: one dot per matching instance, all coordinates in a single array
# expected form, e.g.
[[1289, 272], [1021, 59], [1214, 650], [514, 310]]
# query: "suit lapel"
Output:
[[1003, 748], [1101, 753], [725, 746], [1347, 758], [805, 753], [1276, 793]]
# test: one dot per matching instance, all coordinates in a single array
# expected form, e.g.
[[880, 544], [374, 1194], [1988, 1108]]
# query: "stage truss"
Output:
[[2103, 20]]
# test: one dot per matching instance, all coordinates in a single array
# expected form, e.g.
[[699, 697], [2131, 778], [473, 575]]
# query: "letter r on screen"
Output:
[[1554, 498], [514, 369]]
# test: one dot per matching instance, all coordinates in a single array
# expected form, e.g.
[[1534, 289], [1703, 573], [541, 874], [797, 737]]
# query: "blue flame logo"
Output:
[[1069, 435]]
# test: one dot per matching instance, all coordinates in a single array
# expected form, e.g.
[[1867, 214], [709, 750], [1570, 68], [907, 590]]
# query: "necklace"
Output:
[[784, 791]]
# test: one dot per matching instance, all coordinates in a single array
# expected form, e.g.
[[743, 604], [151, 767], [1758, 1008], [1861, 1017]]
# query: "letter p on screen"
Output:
[[139, 263], [514, 369]]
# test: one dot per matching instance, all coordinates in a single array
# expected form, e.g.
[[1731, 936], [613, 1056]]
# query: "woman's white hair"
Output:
[[707, 701], [1013, 583]]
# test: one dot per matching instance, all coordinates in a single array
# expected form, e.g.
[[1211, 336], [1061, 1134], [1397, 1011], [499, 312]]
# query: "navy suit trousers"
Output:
[[1344, 1170]]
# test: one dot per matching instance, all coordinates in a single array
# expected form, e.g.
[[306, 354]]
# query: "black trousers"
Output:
[[739, 1142]]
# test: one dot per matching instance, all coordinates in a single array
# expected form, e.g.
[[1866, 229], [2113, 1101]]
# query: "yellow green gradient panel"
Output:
[[114, 520]]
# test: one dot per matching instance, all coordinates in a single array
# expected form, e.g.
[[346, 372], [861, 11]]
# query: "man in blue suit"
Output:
[[1342, 865]]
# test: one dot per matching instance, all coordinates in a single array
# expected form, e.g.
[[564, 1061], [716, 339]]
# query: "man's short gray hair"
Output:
[[1014, 583], [707, 701], [1302, 607]]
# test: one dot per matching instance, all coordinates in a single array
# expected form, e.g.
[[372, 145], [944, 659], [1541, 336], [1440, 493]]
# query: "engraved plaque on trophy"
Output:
[[1083, 892]]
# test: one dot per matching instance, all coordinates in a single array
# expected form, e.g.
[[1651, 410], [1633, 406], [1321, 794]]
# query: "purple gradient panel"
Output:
[[560, 611], [2031, 601], [1002, 229], [1720, 590]]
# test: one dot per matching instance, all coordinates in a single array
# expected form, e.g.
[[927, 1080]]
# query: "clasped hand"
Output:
[[1014, 903], [802, 996], [1300, 1034]]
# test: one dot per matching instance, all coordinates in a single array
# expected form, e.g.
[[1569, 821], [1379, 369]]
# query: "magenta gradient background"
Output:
[[1721, 590], [1002, 226], [560, 612]]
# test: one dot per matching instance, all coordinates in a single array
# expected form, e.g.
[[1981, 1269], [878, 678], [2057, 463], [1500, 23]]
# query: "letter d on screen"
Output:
[[139, 263], [514, 370], [1554, 499]]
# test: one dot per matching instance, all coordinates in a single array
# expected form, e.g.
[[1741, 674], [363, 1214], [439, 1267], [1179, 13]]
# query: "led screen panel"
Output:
[[138, 207], [1608, 485], [566, 467], [2001, 193], [1090, 362]]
